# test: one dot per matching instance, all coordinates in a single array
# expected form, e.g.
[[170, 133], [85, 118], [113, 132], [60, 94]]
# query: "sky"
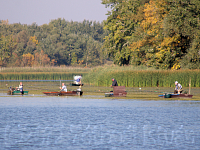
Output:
[[43, 11]]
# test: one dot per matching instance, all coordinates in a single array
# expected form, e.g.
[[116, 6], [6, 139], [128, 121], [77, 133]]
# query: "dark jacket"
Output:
[[114, 83]]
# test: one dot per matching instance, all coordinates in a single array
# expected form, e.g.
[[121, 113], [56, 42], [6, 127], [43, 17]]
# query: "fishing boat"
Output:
[[77, 81], [118, 91], [74, 84], [17, 92], [168, 95], [62, 93]]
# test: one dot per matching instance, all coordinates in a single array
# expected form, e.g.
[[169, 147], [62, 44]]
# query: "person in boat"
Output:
[[78, 79], [20, 88], [178, 88], [63, 88], [114, 82]]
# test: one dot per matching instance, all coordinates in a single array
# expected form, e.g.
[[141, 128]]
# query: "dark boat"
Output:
[[62, 93], [118, 91], [12, 91], [168, 95], [74, 84]]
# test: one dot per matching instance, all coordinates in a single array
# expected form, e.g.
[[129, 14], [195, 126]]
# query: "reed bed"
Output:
[[128, 76], [142, 78], [39, 76], [44, 69]]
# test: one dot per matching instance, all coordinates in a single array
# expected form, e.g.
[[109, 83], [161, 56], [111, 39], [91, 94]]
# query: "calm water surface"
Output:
[[40, 122]]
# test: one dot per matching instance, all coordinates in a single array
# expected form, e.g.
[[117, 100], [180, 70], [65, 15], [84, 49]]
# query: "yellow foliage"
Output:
[[151, 26], [80, 62], [42, 59], [28, 59], [34, 39], [176, 66]]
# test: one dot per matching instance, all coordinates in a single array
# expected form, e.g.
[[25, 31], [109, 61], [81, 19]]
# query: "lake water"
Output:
[[89, 122]]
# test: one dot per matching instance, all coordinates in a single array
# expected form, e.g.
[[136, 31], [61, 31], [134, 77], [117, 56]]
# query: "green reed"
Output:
[[44, 69], [128, 76], [38, 76], [142, 78]]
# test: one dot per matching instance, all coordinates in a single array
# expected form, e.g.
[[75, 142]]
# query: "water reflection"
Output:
[[40, 122]]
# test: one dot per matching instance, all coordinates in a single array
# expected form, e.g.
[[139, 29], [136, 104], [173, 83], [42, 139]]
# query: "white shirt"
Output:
[[64, 88], [178, 86]]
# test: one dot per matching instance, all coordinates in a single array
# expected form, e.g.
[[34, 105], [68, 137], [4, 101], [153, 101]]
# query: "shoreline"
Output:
[[142, 93]]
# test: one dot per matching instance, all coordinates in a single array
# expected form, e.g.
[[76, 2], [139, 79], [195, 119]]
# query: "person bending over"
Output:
[[178, 88]]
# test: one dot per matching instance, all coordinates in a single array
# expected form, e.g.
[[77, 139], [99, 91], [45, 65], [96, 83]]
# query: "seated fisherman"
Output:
[[178, 88], [114, 82], [63, 88], [77, 79], [20, 88]]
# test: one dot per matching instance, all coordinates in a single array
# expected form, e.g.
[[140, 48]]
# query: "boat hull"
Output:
[[73, 84], [62, 93], [176, 96], [108, 94], [17, 93], [118, 91], [115, 95]]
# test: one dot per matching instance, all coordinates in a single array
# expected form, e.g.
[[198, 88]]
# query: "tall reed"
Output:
[[38, 76], [44, 69], [143, 78]]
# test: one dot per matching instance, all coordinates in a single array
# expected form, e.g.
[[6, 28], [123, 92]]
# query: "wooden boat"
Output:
[[110, 94], [118, 91], [17, 92], [168, 95], [74, 84], [62, 93]]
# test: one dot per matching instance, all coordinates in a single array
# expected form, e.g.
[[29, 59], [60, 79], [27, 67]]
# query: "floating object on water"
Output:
[[62, 93]]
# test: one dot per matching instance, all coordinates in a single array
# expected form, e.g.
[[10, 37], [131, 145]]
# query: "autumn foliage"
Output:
[[159, 33]]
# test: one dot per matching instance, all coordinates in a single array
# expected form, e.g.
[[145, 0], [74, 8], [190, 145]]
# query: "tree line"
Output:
[[156, 33], [163, 34], [58, 43]]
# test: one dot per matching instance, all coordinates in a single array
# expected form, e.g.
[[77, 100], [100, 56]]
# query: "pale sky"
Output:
[[43, 11]]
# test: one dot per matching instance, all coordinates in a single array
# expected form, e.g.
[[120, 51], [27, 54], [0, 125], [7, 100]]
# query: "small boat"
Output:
[[110, 94], [62, 93], [168, 95], [77, 81], [74, 84], [118, 91], [17, 92]]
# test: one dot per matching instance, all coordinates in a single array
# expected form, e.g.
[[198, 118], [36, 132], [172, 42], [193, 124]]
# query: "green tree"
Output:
[[74, 59], [121, 24]]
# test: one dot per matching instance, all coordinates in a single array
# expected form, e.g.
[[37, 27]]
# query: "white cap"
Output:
[[176, 82]]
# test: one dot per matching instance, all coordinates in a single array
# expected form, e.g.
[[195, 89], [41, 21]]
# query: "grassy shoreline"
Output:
[[143, 93]]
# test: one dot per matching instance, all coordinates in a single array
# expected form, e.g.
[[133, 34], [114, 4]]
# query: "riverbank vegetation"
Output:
[[160, 33], [128, 76], [164, 34], [43, 69], [138, 77], [147, 43]]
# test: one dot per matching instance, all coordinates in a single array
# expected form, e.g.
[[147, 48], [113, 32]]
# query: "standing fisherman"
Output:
[[20, 88], [114, 82]]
